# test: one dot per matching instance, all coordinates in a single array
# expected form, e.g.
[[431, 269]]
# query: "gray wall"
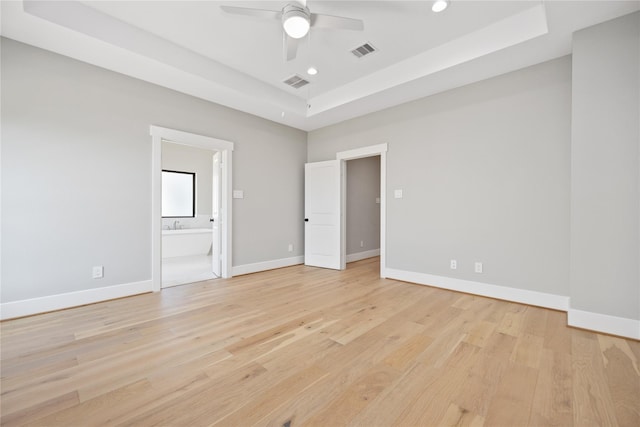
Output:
[[363, 213], [485, 173], [183, 158], [605, 188], [76, 174]]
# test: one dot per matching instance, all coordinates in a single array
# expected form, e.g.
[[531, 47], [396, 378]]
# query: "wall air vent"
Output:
[[296, 82], [364, 50]]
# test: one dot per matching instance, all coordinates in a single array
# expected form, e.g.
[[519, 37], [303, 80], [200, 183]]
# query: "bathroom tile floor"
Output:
[[186, 269]]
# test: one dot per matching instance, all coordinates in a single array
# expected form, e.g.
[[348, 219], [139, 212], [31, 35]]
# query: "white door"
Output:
[[322, 227], [216, 259]]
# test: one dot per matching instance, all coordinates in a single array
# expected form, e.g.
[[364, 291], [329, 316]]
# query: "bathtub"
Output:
[[186, 242]]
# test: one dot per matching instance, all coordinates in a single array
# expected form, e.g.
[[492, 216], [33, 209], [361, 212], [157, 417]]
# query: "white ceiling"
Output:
[[195, 48]]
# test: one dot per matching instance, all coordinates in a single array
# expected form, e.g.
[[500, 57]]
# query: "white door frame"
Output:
[[159, 134], [216, 204], [359, 153]]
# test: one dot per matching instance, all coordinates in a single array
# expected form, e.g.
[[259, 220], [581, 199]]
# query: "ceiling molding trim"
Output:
[[516, 29]]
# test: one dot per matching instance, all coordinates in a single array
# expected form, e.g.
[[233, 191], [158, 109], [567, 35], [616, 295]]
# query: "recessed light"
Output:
[[439, 5], [312, 71]]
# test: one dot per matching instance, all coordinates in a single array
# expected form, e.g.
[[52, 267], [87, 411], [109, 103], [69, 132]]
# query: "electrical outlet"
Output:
[[454, 264], [98, 272], [362, 243], [290, 247], [478, 267]]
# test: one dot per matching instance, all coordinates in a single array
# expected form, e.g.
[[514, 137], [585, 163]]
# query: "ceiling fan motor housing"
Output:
[[296, 20]]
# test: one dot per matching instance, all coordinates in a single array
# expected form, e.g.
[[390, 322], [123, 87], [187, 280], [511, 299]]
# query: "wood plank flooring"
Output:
[[302, 346]]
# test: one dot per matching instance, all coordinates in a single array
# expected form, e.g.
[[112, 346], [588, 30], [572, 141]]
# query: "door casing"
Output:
[[359, 153], [216, 260], [159, 134]]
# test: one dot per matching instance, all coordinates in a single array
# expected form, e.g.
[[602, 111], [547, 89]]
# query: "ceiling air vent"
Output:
[[296, 82], [364, 50]]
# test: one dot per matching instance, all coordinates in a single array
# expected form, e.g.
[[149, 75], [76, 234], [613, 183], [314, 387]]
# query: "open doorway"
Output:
[[362, 209], [219, 154], [190, 210], [325, 204], [380, 152]]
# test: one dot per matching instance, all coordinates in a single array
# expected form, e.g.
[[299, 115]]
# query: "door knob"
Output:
[[306, 220], [211, 220]]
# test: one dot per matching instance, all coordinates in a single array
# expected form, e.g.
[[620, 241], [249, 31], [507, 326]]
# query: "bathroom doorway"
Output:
[[192, 229], [190, 214]]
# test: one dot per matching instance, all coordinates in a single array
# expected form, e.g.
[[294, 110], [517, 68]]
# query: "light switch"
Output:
[[397, 194], [238, 194]]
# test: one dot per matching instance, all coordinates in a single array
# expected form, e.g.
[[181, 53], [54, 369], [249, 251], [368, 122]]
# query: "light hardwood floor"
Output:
[[305, 346]]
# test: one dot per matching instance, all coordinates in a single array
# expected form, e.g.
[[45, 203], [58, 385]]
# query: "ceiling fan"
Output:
[[296, 21]]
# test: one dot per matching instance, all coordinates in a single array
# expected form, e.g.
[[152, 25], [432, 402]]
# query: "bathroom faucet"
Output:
[[175, 224]]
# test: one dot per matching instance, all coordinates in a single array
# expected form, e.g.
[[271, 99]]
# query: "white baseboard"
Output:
[[363, 255], [540, 299], [239, 270], [621, 326], [27, 307]]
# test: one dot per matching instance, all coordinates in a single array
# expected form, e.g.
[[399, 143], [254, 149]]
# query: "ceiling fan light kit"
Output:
[[296, 20], [439, 5]]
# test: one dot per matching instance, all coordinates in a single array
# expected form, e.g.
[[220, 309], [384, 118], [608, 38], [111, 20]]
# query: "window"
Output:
[[178, 194]]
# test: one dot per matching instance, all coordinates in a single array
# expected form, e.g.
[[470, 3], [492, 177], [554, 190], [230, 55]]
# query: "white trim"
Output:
[[621, 326], [267, 265], [27, 307], [191, 139], [159, 134], [357, 256], [359, 153], [524, 296], [383, 213], [156, 212], [226, 217], [343, 213]]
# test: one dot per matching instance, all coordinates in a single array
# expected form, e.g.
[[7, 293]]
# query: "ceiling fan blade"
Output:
[[259, 13], [319, 20], [290, 47]]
